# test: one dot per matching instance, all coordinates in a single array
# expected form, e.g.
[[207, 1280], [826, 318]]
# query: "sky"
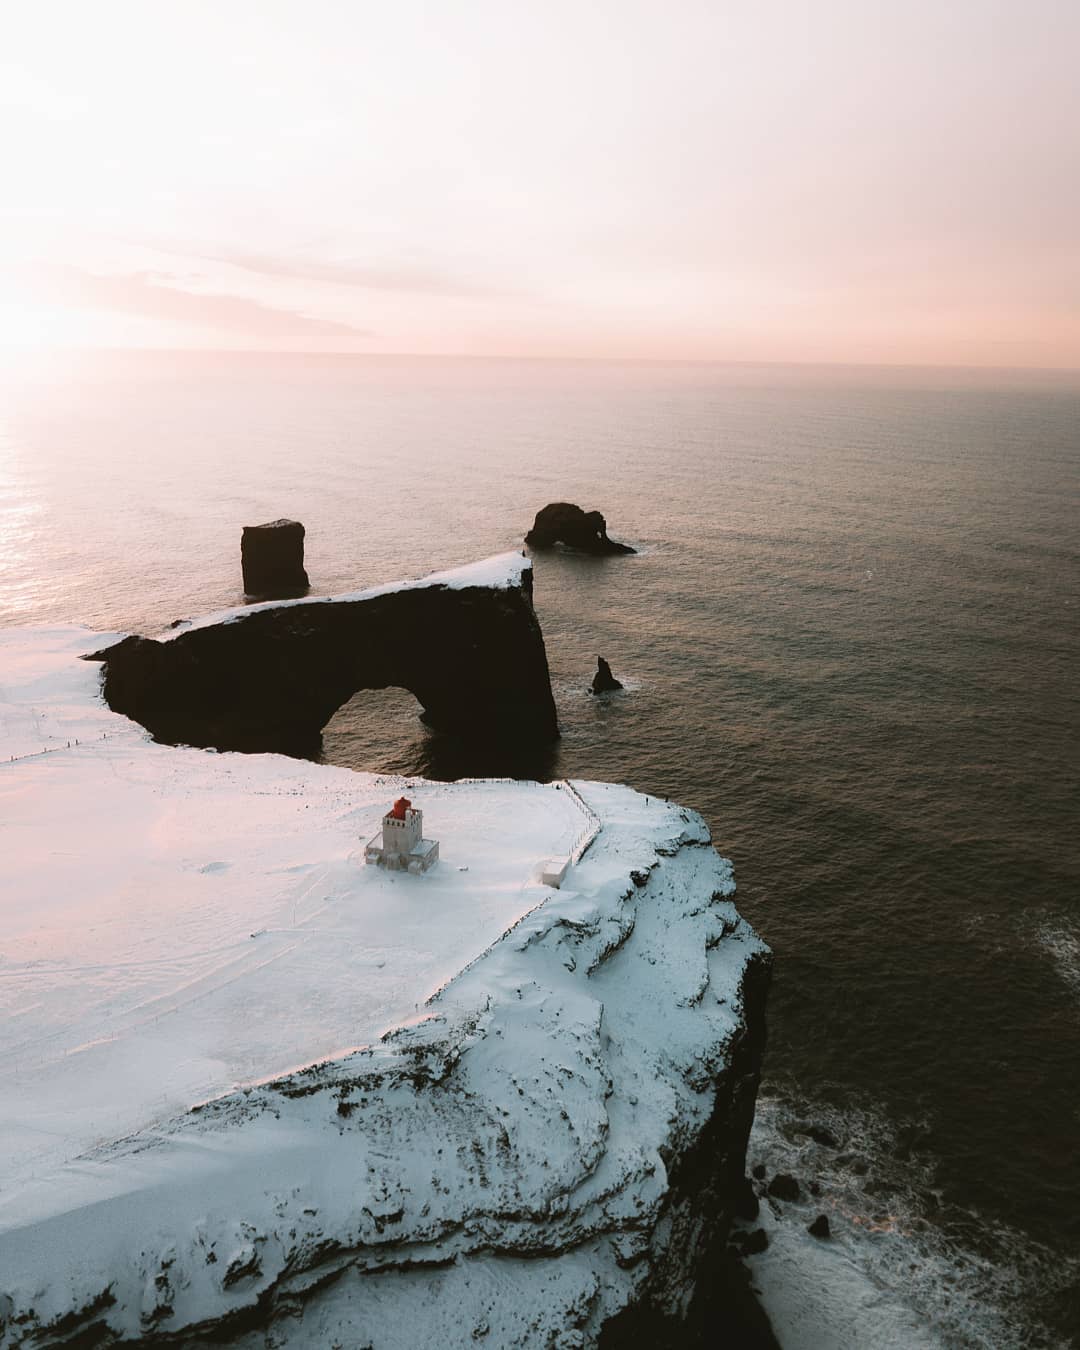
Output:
[[732, 180]]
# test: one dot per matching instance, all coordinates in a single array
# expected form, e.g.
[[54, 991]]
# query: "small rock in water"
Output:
[[567, 523], [784, 1187], [820, 1227], [759, 1172], [755, 1242], [603, 681]]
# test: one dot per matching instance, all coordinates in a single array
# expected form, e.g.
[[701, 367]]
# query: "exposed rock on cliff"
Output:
[[272, 559], [466, 643], [562, 522]]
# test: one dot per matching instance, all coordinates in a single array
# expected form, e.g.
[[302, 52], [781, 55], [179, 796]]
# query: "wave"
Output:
[[1060, 940], [901, 1269]]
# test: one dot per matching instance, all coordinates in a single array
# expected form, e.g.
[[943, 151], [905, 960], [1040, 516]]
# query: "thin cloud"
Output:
[[417, 280], [143, 293]]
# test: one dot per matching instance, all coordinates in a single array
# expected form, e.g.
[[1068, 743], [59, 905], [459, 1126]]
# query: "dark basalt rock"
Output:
[[753, 1243], [746, 1201], [563, 522], [737, 1320], [820, 1227], [784, 1187], [603, 681], [270, 679], [272, 559], [705, 1183]]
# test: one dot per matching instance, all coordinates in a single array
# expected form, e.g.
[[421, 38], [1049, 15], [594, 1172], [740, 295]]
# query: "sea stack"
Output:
[[272, 558], [603, 681], [565, 523]]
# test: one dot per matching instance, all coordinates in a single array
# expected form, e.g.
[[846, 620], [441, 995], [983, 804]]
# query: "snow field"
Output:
[[175, 922]]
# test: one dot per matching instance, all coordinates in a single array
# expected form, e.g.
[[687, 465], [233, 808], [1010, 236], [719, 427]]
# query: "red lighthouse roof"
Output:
[[400, 807]]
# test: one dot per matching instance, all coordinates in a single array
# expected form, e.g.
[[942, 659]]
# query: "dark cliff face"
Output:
[[704, 1183], [271, 679]]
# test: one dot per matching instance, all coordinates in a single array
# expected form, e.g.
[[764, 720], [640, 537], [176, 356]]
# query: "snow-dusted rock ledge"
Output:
[[556, 1135], [270, 676]]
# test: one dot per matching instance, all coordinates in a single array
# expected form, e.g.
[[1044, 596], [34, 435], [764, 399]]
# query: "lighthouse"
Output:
[[401, 846]]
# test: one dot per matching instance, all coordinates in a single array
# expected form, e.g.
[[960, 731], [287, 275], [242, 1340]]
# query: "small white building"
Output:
[[401, 845]]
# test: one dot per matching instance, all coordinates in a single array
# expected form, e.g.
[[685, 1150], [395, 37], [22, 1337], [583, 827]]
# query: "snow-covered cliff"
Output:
[[552, 1129]]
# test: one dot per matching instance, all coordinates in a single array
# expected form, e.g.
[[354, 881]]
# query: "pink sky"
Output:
[[845, 180]]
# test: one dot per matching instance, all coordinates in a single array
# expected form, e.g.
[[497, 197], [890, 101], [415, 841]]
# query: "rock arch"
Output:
[[467, 644]]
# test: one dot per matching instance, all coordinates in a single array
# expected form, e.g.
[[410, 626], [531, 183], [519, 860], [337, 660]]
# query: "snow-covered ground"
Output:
[[174, 922]]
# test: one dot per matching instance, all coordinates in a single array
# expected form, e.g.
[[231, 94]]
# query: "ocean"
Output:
[[849, 638]]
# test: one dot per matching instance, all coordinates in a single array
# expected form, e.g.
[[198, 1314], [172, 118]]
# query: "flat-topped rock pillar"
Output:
[[272, 558]]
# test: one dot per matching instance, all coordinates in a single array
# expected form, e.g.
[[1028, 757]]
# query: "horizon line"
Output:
[[44, 352]]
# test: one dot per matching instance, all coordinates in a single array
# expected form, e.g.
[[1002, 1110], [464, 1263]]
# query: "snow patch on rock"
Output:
[[501, 572]]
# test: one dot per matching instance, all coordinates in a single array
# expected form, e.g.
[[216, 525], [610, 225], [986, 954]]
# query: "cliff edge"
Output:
[[545, 1149]]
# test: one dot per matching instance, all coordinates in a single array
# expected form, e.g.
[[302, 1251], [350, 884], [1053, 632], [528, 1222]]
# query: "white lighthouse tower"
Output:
[[401, 845]]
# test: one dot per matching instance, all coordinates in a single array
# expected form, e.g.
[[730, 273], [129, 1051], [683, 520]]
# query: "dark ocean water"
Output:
[[850, 639]]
